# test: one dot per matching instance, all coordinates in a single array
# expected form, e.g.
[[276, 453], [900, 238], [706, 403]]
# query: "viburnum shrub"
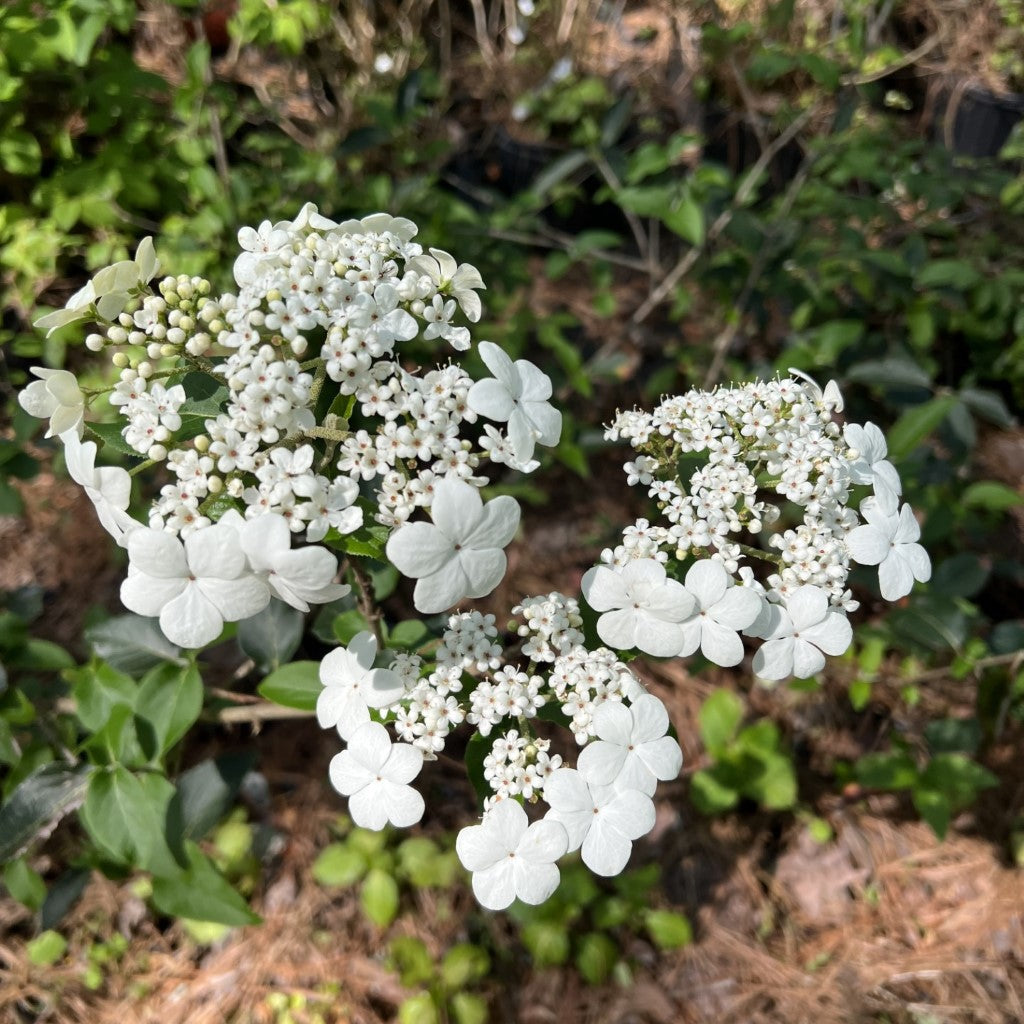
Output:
[[287, 422]]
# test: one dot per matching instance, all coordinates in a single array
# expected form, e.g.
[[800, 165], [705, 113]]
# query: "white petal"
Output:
[[918, 560], [347, 775], [895, 576], [456, 508], [156, 553], [506, 824], [738, 608], [545, 841], [807, 659], [720, 645], [807, 605], [833, 634], [605, 850], [490, 398], [520, 435], [370, 745], [495, 887], [497, 524], [908, 530], [867, 545], [614, 722], [37, 401], [707, 580], [236, 599], [190, 620], [663, 758], [600, 762], [403, 763], [419, 549], [534, 883], [264, 539], [477, 849], [501, 366], [367, 808], [215, 551], [381, 688], [774, 659], [630, 812], [618, 628], [604, 589], [441, 590], [650, 719], [535, 383], [363, 647], [147, 595], [403, 804], [546, 420]]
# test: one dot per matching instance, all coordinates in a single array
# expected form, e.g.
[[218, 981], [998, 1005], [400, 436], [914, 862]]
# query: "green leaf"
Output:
[[272, 636], [989, 405], [169, 701], [774, 786], [409, 634], [117, 742], [43, 656], [201, 893], [934, 808], [205, 793], [468, 1008], [889, 371], [958, 777], [957, 274], [718, 719], [379, 897], [463, 966], [98, 689], [418, 1009], [667, 929], [349, 624], [686, 219], [595, 957], [412, 960], [710, 793], [547, 942], [20, 153], [38, 803], [558, 171], [46, 949], [991, 496], [125, 819], [892, 770], [111, 436], [339, 865], [132, 644], [296, 685], [916, 424], [25, 884], [953, 735], [860, 694]]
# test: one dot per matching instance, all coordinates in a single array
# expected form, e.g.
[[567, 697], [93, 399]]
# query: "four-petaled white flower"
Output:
[[632, 750], [871, 465], [511, 858], [722, 611], [459, 554], [301, 577], [193, 587], [800, 635], [601, 821], [352, 685], [109, 487], [374, 774], [451, 278], [889, 540], [643, 608], [517, 393], [55, 397]]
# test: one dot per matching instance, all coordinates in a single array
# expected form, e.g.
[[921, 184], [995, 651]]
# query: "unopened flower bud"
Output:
[[155, 350], [119, 359], [235, 487], [95, 342], [168, 350], [214, 484], [176, 336], [299, 345], [145, 370], [202, 443], [157, 452], [118, 335]]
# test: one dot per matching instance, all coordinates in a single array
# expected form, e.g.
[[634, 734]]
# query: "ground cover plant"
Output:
[[299, 413]]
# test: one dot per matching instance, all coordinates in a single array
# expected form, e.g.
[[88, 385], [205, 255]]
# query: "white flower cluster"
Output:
[[601, 806], [760, 445], [286, 399]]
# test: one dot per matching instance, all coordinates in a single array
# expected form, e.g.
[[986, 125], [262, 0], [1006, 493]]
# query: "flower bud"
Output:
[[119, 359], [201, 443], [95, 342], [157, 452], [145, 370], [155, 350], [118, 335], [214, 484]]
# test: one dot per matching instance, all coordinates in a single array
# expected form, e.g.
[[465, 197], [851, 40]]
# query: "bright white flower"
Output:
[[109, 487], [301, 577], [517, 393], [352, 685], [889, 540], [56, 397], [458, 281], [722, 611], [800, 635], [511, 858], [76, 308], [871, 465], [632, 750], [643, 608], [193, 587], [459, 554], [374, 774], [601, 821]]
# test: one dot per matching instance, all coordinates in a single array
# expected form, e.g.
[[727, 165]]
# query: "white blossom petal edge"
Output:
[[510, 858], [109, 487], [460, 554], [56, 397], [193, 587], [352, 685], [889, 540], [632, 750], [601, 821], [374, 774]]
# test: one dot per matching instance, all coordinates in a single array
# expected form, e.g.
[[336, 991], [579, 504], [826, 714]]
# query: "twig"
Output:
[[639, 235], [257, 713], [905, 61], [685, 264], [365, 600]]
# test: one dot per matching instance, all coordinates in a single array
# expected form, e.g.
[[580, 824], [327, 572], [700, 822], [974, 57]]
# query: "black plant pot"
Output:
[[978, 121]]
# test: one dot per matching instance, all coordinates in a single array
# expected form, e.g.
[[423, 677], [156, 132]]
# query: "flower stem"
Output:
[[365, 600]]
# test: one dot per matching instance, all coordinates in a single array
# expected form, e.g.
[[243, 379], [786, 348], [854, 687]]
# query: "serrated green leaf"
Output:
[[111, 436]]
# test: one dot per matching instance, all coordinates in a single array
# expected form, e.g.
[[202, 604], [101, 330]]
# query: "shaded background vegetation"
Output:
[[658, 196]]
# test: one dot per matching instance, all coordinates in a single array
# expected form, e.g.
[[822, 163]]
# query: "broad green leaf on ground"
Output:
[[200, 892], [38, 803]]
